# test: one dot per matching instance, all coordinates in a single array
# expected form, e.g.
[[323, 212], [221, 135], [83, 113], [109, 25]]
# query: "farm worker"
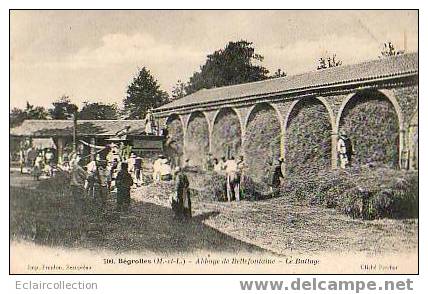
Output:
[[276, 177], [38, 166], [165, 170], [232, 180], [183, 194], [345, 150], [22, 159], [217, 166], [241, 169], [131, 162], [156, 168], [138, 163], [105, 180], [77, 179], [92, 174], [124, 183], [149, 123], [223, 165], [209, 162]]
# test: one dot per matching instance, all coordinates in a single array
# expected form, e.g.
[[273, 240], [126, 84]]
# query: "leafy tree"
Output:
[[179, 90], [143, 93], [17, 115], [98, 111], [279, 74], [329, 62], [229, 66], [63, 108], [389, 50]]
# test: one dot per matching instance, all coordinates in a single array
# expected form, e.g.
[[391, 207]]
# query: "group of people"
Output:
[[232, 170], [38, 161], [99, 178]]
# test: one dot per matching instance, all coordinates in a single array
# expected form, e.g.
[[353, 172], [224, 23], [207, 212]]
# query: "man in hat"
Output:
[[277, 175], [157, 168], [345, 150], [232, 180]]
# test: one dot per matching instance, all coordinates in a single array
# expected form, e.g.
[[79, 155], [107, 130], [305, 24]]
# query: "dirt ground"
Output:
[[272, 225], [281, 227]]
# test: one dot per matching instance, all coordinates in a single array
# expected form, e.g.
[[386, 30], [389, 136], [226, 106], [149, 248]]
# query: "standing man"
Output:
[[77, 181], [345, 150], [232, 180], [209, 165], [276, 177]]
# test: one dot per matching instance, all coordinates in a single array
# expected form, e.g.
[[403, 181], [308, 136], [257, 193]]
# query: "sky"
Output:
[[94, 55]]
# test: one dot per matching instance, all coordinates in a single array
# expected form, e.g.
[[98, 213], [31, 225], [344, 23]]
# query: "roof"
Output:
[[369, 70], [42, 143], [58, 128]]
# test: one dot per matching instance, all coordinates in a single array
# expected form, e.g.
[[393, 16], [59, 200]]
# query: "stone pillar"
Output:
[[334, 138], [185, 121], [210, 115], [403, 152], [282, 143]]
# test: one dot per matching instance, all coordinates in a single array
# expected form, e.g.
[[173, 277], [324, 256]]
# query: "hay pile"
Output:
[[372, 125], [308, 137], [197, 142], [226, 136], [174, 144], [360, 192], [262, 141]]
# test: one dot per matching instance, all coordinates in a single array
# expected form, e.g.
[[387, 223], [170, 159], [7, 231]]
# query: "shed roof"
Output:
[[369, 70], [63, 128]]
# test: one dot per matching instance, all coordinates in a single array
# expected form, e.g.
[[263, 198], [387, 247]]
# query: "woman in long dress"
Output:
[[183, 202]]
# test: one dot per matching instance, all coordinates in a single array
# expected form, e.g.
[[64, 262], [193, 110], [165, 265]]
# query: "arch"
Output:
[[374, 123], [226, 137], [320, 99], [174, 143], [308, 128], [263, 140], [386, 93], [258, 105], [197, 138]]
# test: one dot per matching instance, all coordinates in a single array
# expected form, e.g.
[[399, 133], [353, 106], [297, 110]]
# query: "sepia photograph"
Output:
[[214, 142]]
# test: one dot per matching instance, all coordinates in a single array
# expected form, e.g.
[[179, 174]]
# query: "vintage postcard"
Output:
[[214, 142]]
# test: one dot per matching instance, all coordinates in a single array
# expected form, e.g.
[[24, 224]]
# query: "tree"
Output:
[[389, 50], [329, 62], [98, 111], [229, 66], [279, 74], [142, 94], [17, 115], [179, 90], [63, 108]]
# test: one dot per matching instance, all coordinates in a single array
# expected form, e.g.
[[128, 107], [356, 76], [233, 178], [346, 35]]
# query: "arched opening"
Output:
[[308, 137], [262, 141], [197, 139], [174, 140], [371, 122], [226, 134]]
